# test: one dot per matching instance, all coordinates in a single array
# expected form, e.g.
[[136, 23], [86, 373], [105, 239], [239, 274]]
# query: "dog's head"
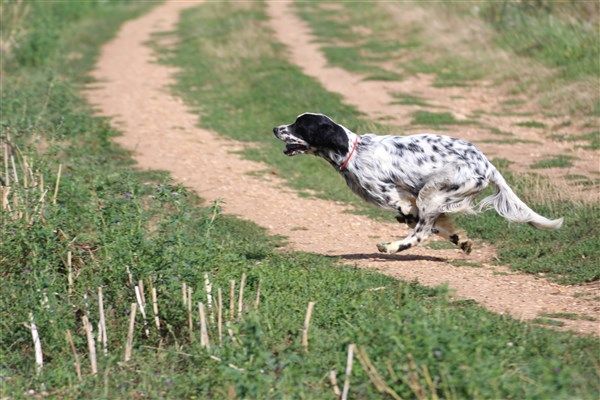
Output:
[[314, 134]]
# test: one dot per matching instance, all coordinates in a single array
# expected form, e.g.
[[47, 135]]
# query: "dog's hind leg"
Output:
[[444, 227], [407, 211], [452, 191]]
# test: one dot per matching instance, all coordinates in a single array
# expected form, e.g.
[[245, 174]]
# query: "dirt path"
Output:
[[162, 134], [376, 99]]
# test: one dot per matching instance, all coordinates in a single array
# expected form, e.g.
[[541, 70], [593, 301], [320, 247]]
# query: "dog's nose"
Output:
[[275, 130]]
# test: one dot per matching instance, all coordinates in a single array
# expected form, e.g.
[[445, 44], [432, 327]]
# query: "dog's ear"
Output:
[[334, 137]]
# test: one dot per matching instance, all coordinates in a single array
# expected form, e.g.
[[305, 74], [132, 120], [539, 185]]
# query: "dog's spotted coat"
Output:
[[422, 177]]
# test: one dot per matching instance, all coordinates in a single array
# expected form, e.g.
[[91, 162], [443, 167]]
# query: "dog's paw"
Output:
[[466, 246], [385, 248]]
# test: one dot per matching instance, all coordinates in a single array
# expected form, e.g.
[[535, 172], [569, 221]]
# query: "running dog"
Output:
[[421, 177]]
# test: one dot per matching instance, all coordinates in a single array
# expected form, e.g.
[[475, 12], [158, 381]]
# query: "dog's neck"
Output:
[[342, 160]]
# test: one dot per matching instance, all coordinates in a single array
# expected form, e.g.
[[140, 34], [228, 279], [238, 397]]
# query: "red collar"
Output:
[[349, 156]]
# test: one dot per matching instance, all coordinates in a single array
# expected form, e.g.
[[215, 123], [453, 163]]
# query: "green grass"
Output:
[[560, 161], [410, 100], [531, 124], [592, 139], [548, 321], [560, 35], [243, 94], [434, 119], [375, 38], [363, 48], [569, 316], [113, 217]]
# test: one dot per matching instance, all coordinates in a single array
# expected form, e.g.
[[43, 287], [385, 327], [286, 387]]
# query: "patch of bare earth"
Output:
[[162, 133], [523, 148]]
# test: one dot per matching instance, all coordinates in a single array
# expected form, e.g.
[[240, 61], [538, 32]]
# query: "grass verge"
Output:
[[242, 94]]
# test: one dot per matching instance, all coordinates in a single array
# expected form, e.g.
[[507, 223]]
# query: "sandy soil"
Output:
[[162, 134], [375, 98]]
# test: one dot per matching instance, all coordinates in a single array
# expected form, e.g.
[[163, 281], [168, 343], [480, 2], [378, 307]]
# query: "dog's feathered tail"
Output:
[[508, 205]]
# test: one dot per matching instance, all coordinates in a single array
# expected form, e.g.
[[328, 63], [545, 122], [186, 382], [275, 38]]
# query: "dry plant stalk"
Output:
[[346, 388], [309, 311], [334, 384], [5, 192], [374, 375], [189, 308], [257, 300], [155, 309], [220, 315], [413, 379], [140, 302], [57, 184], [129, 276], [241, 297], [70, 272], [208, 289], [37, 345], [75, 356], [87, 326], [14, 168], [102, 328], [6, 173], [142, 295], [184, 294], [231, 299], [430, 384], [203, 328], [129, 343]]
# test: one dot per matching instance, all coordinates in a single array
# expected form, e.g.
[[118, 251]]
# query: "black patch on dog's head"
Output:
[[320, 132]]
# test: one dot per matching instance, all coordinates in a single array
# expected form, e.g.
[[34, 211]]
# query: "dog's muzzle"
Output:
[[293, 145]]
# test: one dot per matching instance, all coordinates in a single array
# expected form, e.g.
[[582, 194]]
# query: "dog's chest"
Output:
[[371, 190]]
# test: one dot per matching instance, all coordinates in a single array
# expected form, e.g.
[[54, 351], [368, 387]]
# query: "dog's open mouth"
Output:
[[291, 149]]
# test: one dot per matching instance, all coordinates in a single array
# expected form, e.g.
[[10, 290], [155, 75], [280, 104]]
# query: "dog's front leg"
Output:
[[421, 232]]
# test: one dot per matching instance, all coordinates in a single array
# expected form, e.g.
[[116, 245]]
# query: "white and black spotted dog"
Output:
[[422, 177]]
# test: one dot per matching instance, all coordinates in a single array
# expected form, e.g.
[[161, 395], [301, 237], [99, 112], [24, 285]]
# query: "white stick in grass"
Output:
[[155, 309], [76, 362], [142, 295], [87, 326], [184, 294], [220, 315], [140, 303], [231, 299], [14, 168], [6, 173], [309, 311], [189, 308], [208, 289], [129, 344], [70, 272], [209, 297], [257, 300], [5, 193], [56, 185], [334, 384], [37, 345], [129, 275], [102, 329], [203, 327], [241, 297], [346, 388]]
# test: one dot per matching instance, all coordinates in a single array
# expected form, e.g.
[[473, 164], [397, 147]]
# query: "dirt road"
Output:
[[163, 134]]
